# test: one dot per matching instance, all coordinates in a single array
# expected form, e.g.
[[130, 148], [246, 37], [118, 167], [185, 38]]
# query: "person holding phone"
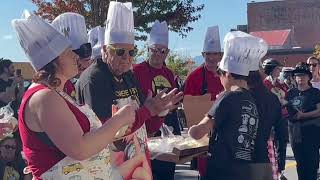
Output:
[[304, 127], [11, 84]]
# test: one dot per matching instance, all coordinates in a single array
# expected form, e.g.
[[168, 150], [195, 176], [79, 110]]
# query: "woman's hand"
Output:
[[126, 114], [299, 115]]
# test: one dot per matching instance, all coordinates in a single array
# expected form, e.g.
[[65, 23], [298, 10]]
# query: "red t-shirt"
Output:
[[194, 86], [155, 80], [69, 89], [39, 151], [280, 90], [194, 83]]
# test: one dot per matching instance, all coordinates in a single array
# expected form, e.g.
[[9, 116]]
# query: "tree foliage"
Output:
[[317, 51], [179, 64], [178, 13]]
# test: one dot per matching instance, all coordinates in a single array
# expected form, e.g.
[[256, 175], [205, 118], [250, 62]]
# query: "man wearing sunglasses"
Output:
[[109, 84], [204, 80], [152, 74], [73, 26], [313, 64]]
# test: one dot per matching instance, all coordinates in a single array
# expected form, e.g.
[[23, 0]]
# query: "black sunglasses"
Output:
[[9, 147], [312, 64], [121, 51], [84, 51], [159, 50]]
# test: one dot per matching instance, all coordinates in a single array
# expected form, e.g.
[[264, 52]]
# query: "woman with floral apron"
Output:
[[62, 140]]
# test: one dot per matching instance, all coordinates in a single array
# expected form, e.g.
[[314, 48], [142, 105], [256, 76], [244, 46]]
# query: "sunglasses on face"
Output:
[[159, 50], [122, 51], [9, 147], [84, 52], [312, 64], [211, 53]]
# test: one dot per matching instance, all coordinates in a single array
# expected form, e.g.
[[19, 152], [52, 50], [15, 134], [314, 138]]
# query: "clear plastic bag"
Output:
[[7, 121], [165, 144]]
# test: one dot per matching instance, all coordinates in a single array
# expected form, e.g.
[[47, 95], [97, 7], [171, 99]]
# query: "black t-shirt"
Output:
[[3, 86], [98, 88], [269, 109], [236, 120], [304, 101], [13, 170]]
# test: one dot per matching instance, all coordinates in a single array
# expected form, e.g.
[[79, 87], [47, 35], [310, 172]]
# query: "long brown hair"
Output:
[[47, 75]]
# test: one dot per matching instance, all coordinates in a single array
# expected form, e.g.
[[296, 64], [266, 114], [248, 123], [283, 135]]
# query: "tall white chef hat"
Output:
[[159, 33], [73, 26], [96, 39], [119, 24], [212, 40], [39, 40]]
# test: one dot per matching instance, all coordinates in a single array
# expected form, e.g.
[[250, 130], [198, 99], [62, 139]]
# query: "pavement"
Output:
[[183, 171]]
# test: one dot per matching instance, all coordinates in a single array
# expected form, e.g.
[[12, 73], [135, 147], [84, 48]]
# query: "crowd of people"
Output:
[[89, 111]]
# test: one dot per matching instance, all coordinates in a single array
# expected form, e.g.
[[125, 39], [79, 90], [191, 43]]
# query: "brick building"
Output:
[[301, 16], [26, 69], [290, 27]]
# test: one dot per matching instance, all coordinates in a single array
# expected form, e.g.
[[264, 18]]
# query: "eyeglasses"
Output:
[[159, 50], [313, 64], [121, 51], [9, 147], [84, 52]]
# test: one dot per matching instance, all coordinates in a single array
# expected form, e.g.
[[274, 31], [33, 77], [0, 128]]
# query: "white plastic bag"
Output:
[[7, 119]]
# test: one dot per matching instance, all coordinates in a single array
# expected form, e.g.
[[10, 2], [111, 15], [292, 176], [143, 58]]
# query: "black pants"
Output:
[[306, 153], [282, 150], [162, 170]]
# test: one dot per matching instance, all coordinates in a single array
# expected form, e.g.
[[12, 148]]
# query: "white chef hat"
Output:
[[212, 40], [119, 24], [256, 54], [39, 40], [159, 33], [240, 52], [73, 26], [96, 39]]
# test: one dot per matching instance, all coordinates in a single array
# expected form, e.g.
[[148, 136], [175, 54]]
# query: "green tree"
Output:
[[317, 51], [142, 54], [178, 64], [178, 13]]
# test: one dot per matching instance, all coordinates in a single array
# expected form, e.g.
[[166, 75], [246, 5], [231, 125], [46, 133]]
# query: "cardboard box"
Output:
[[181, 154], [195, 108]]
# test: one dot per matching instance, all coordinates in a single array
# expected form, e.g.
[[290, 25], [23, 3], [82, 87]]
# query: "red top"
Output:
[[41, 156], [194, 87], [280, 90], [69, 89], [194, 83], [155, 80]]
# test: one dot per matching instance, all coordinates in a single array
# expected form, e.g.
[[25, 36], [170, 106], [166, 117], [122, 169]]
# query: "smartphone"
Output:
[[18, 72]]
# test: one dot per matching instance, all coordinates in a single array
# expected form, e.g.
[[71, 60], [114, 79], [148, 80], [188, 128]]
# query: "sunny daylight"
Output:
[[160, 90]]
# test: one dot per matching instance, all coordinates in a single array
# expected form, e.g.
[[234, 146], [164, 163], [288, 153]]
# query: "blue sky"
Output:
[[225, 13]]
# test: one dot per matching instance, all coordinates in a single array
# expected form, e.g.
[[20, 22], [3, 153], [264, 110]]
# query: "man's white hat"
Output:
[[119, 24], [212, 40], [241, 51], [159, 33], [39, 40], [96, 39], [73, 26]]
